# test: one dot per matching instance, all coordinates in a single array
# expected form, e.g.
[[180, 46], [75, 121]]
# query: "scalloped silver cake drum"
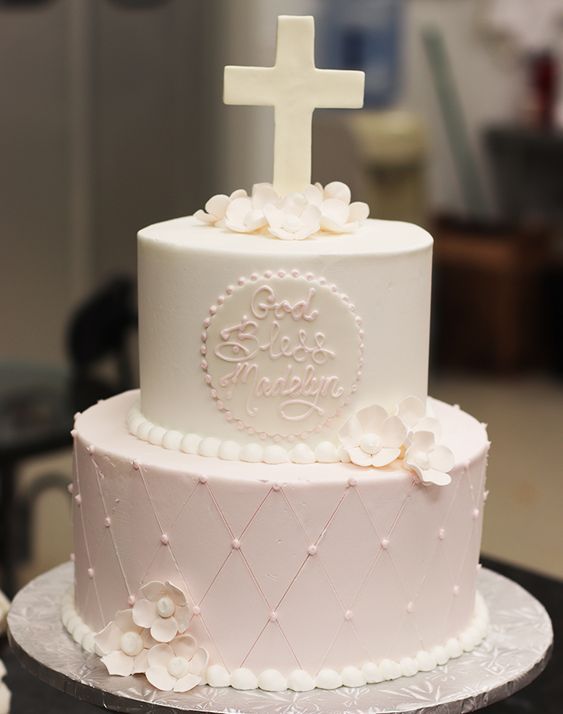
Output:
[[514, 653]]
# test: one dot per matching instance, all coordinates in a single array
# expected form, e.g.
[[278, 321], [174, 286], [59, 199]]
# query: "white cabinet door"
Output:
[[106, 125]]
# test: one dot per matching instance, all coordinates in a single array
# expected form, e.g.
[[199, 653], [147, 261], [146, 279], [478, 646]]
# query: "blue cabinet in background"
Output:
[[366, 35]]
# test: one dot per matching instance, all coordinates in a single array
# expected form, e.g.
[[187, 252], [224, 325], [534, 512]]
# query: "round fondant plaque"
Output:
[[282, 353]]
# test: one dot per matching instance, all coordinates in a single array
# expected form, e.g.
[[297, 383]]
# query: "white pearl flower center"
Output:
[[370, 443], [165, 606], [292, 223], [423, 460], [131, 644], [178, 667]]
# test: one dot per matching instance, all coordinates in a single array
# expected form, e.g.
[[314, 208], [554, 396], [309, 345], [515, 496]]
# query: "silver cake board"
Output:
[[515, 651]]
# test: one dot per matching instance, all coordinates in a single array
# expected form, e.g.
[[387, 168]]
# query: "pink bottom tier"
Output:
[[310, 568]]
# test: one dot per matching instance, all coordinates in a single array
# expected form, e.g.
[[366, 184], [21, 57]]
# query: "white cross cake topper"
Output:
[[295, 88]]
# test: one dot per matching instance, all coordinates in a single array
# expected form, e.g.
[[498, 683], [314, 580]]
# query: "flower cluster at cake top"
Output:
[[150, 639], [375, 438], [295, 216]]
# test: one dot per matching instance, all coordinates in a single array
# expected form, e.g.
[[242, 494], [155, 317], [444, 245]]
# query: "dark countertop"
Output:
[[544, 696]]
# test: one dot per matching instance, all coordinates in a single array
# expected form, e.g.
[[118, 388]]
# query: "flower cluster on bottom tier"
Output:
[[299, 680]]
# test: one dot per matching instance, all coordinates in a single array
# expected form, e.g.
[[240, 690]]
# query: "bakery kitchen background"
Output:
[[112, 118]]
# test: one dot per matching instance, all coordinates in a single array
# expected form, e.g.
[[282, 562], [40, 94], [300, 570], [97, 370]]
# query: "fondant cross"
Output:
[[295, 88]]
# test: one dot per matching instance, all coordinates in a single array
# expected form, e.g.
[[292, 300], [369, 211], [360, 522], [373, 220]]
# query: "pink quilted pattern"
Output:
[[274, 601]]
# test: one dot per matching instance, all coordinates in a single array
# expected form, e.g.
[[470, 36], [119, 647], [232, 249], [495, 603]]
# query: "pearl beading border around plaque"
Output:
[[231, 450], [268, 274]]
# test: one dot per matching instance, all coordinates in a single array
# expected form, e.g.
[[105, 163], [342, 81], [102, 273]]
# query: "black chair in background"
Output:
[[38, 403], [98, 336]]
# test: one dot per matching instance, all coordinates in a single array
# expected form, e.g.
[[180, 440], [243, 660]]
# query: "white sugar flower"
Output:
[[123, 645], [163, 610], [294, 218], [373, 438], [338, 215], [412, 412], [176, 667], [246, 214], [314, 194], [216, 207], [340, 218], [430, 461], [337, 190]]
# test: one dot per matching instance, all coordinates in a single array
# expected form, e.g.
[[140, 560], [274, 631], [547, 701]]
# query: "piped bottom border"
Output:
[[271, 680]]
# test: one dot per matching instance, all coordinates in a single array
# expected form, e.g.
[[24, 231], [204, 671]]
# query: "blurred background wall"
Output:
[[103, 128], [111, 118], [116, 129]]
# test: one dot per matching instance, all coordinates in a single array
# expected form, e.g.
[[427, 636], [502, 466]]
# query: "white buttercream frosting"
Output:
[[198, 283], [252, 453]]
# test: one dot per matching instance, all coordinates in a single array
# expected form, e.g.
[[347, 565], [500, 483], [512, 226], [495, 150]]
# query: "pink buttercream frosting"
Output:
[[357, 565]]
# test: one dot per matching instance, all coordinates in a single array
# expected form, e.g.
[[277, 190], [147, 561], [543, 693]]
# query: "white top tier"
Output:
[[245, 338]]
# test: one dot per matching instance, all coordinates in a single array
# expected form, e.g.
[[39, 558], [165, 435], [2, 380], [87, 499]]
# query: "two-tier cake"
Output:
[[281, 505]]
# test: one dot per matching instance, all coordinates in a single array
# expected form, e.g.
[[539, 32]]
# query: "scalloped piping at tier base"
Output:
[[272, 680]]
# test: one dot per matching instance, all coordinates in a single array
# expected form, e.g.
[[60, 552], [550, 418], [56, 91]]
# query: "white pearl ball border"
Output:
[[325, 453], [271, 680]]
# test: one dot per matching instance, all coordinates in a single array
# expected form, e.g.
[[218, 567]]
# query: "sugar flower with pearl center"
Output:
[[293, 219], [372, 437], [246, 214], [178, 666], [163, 610], [123, 645], [338, 213]]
